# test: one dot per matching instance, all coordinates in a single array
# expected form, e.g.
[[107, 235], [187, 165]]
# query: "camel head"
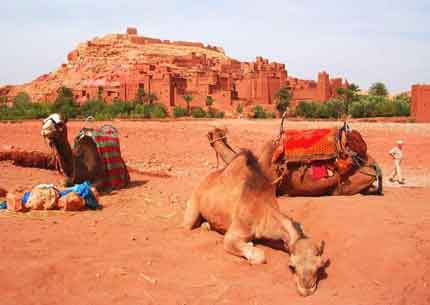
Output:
[[217, 134], [54, 128], [306, 263]]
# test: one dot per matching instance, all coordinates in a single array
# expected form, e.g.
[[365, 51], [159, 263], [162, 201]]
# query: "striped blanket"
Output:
[[107, 142]]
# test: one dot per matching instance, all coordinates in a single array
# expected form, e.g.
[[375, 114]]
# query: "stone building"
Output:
[[420, 103]]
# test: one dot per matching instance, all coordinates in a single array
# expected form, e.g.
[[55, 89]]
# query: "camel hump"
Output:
[[246, 168]]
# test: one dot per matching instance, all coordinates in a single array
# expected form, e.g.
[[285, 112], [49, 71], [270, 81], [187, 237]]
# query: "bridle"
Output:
[[213, 141]]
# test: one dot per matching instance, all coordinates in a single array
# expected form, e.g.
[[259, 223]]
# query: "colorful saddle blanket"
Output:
[[107, 143], [307, 145]]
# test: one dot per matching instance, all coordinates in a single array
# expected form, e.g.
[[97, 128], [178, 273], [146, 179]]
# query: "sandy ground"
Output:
[[134, 252]]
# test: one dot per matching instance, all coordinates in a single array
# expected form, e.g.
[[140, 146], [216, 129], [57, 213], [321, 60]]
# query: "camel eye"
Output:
[[292, 268]]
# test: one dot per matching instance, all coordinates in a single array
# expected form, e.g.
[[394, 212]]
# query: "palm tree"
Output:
[[348, 95], [283, 98], [188, 98], [378, 89], [209, 102]]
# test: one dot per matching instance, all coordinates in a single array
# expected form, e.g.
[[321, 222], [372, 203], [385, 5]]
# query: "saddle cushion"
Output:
[[107, 143], [307, 145]]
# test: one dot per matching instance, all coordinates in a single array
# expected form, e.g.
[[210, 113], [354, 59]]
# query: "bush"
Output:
[[121, 108], [157, 111], [91, 108], [198, 112], [103, 116], [270, 115], [308, 109], [373, 106], [258, 112], [402, 108], [179, 112], [215, 113]]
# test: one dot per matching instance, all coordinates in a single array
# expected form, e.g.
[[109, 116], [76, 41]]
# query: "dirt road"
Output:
[[133, 251]]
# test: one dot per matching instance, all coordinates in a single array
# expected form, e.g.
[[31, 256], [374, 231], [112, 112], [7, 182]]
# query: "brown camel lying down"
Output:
[[298, 180], [240, 201]]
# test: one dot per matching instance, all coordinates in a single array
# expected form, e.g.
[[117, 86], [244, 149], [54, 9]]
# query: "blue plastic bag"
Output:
[[84, 191]]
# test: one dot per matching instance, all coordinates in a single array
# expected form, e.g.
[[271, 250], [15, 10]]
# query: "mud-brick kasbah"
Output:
[[116, 66]]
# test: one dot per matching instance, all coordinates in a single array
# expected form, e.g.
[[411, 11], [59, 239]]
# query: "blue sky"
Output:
[[364, 41]]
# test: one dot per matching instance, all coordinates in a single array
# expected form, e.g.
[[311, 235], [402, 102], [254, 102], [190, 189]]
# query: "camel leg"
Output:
[[192, 214], [238, 244]]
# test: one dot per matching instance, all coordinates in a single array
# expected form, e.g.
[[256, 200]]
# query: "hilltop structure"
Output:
[[118, 66]]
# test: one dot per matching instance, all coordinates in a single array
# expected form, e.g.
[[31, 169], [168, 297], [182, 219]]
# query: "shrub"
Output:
[[270, 115], [258, 112], [308, 109], [103, 116], [179, 112], [215, 113], [121, 108], [402, 108], [91, 108], [198, 112], [157, 111]]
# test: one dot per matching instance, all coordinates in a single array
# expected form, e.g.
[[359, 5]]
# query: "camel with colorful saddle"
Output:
[[313, 162]]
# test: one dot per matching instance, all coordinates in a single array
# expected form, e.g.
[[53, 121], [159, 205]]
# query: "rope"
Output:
[[217, 139], [281, 176]]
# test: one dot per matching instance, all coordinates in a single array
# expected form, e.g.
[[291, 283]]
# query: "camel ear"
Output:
[[321, 248]]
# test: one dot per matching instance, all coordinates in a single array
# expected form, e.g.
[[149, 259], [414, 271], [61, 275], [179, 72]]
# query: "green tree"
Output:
[[65, 103], [348, 95], [21, 101], [378, 89], [402, 97], [209, 102], [283, 98], [188, 98]]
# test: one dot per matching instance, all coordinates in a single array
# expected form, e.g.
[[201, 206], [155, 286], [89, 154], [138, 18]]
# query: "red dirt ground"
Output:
[[133, 251]]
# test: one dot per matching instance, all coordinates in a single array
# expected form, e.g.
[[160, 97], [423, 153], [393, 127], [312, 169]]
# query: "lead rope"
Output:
[[281, 131]]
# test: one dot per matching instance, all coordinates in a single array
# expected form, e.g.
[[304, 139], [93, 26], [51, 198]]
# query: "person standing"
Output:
[[397, 154]]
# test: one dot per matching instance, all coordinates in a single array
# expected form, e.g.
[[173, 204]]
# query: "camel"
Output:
[[297, 180], [80, 164], [240, 202]]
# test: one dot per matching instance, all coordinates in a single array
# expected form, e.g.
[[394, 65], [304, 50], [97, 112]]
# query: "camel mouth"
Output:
[[305, 292]]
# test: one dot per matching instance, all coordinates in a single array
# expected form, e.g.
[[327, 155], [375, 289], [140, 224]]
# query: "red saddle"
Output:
[[307, 145]]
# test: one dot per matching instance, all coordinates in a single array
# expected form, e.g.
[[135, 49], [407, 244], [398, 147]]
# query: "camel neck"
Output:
[[224, 150], [282, 228], [65, 155]]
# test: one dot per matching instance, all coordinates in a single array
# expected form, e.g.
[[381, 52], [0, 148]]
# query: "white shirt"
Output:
[[396, 153]]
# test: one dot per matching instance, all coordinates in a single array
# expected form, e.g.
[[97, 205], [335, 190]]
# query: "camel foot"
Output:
[[255, 256], [206, 226]]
